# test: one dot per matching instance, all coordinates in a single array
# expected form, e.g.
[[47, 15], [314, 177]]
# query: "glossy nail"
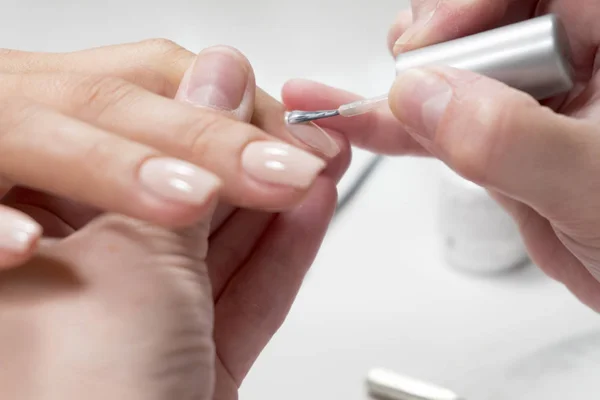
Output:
[[179, 181], [281, 164], [420, 99], [218, 79], [18, 233], [316, 138]]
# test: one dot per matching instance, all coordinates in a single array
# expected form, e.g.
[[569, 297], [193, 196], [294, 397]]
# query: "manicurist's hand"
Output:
[[539, 161]]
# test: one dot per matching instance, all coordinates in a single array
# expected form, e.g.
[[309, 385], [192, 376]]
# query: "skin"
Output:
[[125, 309], [111, 97], [116, 307], [538, 160]]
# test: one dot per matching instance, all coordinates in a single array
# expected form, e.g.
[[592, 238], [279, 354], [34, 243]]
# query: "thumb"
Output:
[[498, 137], [126, 299], [120, 297]]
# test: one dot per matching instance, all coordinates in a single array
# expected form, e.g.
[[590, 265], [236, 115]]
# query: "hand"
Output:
[[99, 127], [538, 161], [124, 309]]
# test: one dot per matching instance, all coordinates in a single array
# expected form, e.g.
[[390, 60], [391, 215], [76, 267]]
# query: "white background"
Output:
[[379, 293]]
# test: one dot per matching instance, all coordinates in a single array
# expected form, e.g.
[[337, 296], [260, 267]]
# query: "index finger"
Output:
[[438, 21], [377, 131]]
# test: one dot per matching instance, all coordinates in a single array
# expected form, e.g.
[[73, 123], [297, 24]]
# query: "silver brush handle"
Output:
[[531, 56]]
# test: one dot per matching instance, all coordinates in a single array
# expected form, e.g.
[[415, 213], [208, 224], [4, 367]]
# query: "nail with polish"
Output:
[[178, 181], [217, 79], [419, 100], [315, 137], [18, 232], [281, 164]]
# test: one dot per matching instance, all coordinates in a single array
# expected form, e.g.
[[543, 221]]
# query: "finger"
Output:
[[269, 115], [146, 62], [160, 65], [221, 79], [402, 23], [157, 65], [59, 217], [377, 131], [19, 235], [498, 137], [152, 282], [551, 255], [112, 173], [257, 298], [257, 170], [231, 246], [216, 67], [438, 21]]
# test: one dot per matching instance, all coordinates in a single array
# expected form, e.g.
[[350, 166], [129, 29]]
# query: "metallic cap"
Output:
[[532, 56]]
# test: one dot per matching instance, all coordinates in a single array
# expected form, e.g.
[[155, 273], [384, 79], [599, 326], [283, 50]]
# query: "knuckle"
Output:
[[205, 137], [159, 46], [168, 60], [165, 52], [96, 93], [200, 135], [153, 80]]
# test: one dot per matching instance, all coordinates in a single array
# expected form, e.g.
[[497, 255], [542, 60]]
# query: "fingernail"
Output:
[[415, 29], [316, 138], [178, 180], [18, 233], [420, 99], [218, 79], [281, 164]]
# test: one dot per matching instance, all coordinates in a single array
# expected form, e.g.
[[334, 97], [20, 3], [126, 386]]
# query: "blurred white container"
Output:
[[478, 235]]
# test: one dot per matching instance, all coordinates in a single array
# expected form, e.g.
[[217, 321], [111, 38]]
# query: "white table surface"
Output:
[[379, 293]]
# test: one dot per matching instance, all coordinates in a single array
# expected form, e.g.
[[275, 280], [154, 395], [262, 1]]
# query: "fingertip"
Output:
[[173, 191], [236, 53], [305, 94], [220, 78], [296, 88], [19, 237], [400, 25], [437, 22]]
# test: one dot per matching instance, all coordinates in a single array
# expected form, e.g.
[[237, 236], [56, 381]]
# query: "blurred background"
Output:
[[390, 287]]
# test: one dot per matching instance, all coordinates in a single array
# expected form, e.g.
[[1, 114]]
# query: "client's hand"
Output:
[[100, 127], [123, 309]]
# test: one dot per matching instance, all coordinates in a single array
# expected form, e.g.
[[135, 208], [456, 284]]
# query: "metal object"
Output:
[[298, 117], [532, 56], [388, 385]]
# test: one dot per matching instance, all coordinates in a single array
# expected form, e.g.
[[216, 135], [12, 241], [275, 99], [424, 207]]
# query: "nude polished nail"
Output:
[[281, 164], [178, 180]]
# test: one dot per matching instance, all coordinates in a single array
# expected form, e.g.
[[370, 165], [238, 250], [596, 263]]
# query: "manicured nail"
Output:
[[218, 79], [316, 138], [18, 233], [281, 164], [420, 99], [178, 180]]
